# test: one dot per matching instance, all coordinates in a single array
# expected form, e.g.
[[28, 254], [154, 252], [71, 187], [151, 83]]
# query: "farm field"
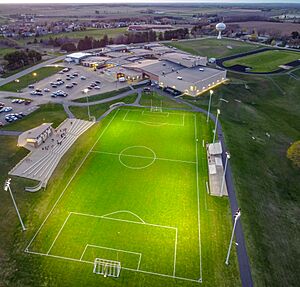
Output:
[[266, 61], [95, 33], [212, 47], [178, 234]]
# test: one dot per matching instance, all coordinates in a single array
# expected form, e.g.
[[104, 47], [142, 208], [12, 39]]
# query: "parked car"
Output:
[[69, 86], [6, 109], [82, 78], [98, 82], [46, 90], [74, 84], [97, 88], [31, 86], [27, 102]]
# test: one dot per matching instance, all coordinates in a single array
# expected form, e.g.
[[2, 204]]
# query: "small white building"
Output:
[[77, 57]]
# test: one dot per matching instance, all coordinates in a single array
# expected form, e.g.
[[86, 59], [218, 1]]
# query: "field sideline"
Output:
[[128, 209]]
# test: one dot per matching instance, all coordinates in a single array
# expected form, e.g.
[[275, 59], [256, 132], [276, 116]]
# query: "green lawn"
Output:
[[53, 113], [4, 51], [157, 100], [98, 110], [29, 79], [267, 184], [266, 61], [214, 47], [95, 33], [77, 229], [102, 96]]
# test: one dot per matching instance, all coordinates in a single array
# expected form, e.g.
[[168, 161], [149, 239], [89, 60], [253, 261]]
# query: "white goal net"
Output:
[[107, 267], [156, 108]]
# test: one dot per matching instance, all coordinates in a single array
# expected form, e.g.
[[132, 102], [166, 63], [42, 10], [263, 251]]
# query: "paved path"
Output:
[[68, 112]]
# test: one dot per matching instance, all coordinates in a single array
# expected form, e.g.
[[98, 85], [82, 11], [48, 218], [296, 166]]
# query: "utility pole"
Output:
[[224, 173], [216, 125], [236, 218], [208, 111], [7, 188]]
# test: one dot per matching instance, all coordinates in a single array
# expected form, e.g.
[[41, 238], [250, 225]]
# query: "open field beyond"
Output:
[[267, 61], [213, 47]]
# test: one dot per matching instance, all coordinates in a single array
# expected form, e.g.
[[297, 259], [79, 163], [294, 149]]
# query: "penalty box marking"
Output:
[[121, 220], [149, 123], [113, 249]]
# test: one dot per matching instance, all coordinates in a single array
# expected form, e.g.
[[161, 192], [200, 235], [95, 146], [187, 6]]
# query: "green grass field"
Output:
[[95, 33], [266, 61], [29, 79], [166, 230], [214, 47]]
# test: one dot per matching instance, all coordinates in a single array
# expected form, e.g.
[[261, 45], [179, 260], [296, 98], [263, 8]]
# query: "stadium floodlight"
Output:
[[106, 267], [224, 173], [86, 91], [7, 188], [208, 111], [236, 218], [216, 125]]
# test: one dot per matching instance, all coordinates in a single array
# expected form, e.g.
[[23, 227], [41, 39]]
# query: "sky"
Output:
[[147, 1]]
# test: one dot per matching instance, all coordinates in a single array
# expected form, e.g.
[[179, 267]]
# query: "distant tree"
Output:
[[293, 153], [69, 47], [295, 35]]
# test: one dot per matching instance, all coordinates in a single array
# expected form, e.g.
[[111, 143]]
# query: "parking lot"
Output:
[[18, 111], [83, 81]]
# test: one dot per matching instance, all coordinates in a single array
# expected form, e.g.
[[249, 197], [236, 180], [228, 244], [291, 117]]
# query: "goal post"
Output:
[[106, 267], [156, 108]]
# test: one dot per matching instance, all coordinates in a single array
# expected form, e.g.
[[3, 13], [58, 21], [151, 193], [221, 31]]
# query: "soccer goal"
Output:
[[156, 108], [106, 267]]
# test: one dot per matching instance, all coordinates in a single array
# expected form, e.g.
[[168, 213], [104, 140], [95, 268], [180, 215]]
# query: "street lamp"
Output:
[[224, 173], [216, 125], [236, 218], [17, 80], [208, 111], [7, 188], [34, 74], [87, 100]]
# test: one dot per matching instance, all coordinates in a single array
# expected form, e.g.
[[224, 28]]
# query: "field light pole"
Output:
[[236, 218], [216, 125], [224, 173], [7, 188], [208, 111], [87, 101]]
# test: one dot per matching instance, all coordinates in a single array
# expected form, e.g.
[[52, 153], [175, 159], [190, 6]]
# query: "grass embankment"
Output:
[[266, 182], [98, 110], [29, 79], [48, 113], [267, 61], [102, 96], [214, 47]]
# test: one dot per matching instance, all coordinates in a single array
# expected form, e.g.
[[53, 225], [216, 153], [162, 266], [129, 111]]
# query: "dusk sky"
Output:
[[148, 1]]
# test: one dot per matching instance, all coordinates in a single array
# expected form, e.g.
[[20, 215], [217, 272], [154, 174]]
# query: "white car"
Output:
[[46, 90]]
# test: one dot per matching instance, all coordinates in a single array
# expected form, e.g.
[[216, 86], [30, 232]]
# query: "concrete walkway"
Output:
[[9, 133]]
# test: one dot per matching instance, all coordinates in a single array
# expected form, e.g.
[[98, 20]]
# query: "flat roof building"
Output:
[[77, 57], [193, 81], [184, 59]]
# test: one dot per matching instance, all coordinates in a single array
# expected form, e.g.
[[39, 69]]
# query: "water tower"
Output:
[[220, 27]]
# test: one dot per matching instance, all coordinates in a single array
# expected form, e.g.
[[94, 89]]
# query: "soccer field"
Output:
[[137, 198]]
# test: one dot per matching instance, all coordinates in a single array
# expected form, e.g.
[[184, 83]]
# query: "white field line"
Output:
[[152, 123], [152, 113], [198, 199], [125, 268], [126, 211], [175, 253], [139, 264], [82, 254], [123, 220], [59, 232], [71, 179], [146, 157]]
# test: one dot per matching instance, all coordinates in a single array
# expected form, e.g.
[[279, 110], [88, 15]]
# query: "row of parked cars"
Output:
[[21, 101], [14, 117], [59, 93]]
